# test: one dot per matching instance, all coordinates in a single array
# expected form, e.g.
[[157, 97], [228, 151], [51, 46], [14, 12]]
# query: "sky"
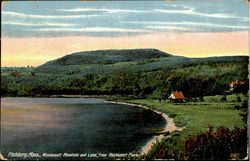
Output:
[[34, 32]]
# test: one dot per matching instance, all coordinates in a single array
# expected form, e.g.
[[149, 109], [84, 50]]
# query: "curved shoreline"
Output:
[[169, 127], [62, 96]]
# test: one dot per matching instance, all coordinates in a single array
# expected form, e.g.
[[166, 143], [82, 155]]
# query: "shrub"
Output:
[[224, 98], [15, 74], [244, 111], [238, 99], [161, 150], [216, 145], [32, 73]]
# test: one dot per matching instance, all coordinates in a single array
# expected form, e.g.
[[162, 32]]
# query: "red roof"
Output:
[[178, 95], [238, 83]]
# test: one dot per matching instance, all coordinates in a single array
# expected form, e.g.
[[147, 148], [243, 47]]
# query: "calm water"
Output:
[[73, 125]]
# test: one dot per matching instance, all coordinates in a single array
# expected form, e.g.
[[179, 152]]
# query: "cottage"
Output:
[[176, 97], [236, 84]]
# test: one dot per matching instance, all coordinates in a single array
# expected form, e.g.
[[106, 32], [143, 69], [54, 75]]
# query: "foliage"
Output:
[[244, 109], [216, 145], [211, 145], [226, 98], [150, 77], [161, 150], [15, 74]]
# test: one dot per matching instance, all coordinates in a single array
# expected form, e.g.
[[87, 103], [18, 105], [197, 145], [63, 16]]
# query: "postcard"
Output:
[[134, 80]]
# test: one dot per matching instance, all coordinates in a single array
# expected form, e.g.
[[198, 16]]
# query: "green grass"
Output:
[[230, 98], [233, 97], [194, 118]]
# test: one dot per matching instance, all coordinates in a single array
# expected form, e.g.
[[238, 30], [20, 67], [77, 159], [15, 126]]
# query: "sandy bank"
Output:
[[170, 126]]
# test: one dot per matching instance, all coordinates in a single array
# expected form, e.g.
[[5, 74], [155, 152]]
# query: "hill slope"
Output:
[[107, 57], [140, 72]]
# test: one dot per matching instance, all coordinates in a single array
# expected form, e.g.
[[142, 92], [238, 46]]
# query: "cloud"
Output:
[[188, 10], [245, 19], [169, 28], [23, 15], [104, 10], [121, 20], [186, 23], [192, 12], [183, 10], [91, 29], [180, 6], [35, 24]]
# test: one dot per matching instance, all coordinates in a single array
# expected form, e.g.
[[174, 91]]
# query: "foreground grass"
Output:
[[194, 118]]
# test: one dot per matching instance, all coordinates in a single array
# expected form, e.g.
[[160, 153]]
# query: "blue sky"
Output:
[[119, 18]]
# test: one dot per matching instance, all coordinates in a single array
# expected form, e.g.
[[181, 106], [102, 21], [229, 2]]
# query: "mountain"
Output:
[[107, 57]]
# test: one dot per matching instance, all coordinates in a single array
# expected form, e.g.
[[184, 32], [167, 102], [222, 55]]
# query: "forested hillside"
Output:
[[139, 73], [107, 57]]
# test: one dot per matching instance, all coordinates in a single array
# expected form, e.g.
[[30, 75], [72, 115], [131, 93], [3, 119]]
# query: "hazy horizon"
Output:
[[110, 49]]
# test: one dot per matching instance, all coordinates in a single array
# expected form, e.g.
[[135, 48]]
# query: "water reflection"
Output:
[[73, 125]]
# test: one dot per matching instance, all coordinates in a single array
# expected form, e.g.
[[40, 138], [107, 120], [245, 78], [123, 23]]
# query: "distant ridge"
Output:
[[107, 57]]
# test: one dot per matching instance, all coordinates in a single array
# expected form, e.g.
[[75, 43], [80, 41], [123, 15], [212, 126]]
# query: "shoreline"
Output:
[[63, 96], [78, 96], [169, 127]]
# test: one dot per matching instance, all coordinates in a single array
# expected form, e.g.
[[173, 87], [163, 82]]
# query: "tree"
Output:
[[15, 74], [32, 73]]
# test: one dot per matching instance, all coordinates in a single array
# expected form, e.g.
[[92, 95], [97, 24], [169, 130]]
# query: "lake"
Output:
[[73, 125]]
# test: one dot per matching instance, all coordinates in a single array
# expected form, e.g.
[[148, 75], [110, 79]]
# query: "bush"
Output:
[[15, 74], [161, 150], [238, 99], [224, 98], [32, 73], [244, 111], [216, 145]]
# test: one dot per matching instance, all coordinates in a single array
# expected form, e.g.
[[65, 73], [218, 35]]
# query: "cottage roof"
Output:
[[238, 83], [178, 95]]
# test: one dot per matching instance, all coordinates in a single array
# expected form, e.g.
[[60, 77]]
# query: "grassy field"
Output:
[[195, 117]]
